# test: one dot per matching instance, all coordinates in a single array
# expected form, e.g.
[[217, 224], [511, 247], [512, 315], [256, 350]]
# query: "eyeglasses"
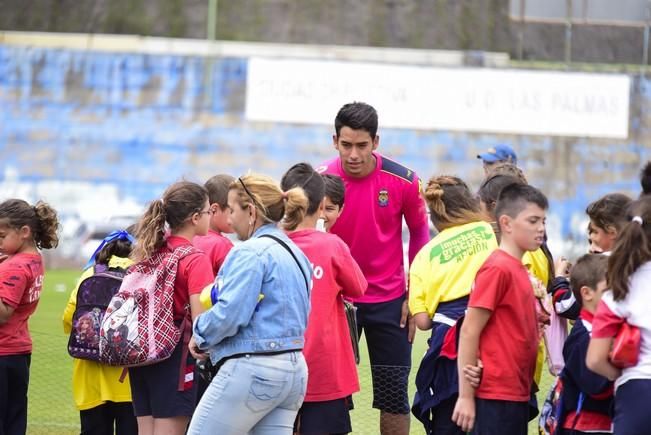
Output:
[[209, 212], [255, 203]]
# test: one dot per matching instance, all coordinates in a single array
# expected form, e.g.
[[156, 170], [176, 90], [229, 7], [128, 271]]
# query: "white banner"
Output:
[[425, 98]]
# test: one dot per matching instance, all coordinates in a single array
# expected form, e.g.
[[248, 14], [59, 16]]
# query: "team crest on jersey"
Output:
[[383, 198]]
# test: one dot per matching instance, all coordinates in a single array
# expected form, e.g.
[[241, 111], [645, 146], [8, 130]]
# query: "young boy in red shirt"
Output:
[[214, 244], [500, 326]]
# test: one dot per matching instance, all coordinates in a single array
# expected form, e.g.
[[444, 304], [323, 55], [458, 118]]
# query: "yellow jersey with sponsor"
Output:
[[444, 269], [537, 264]]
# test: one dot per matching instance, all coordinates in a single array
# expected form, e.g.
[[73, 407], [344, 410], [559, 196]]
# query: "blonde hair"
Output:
[[271, 202], [450, 202]]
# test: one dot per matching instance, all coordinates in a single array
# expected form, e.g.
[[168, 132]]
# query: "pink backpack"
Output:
[[138, 328]]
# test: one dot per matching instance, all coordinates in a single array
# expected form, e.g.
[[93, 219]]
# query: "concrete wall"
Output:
[[99, 133]]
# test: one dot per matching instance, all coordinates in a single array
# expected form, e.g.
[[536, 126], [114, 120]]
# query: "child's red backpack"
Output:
[[93, 297], [626, 347], [138, 328]]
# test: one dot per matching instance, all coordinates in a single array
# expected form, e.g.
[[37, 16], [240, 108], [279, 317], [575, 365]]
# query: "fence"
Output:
[[51, 410]]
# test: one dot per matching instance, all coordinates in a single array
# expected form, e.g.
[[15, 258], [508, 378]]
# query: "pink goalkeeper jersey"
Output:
[[371, 224]]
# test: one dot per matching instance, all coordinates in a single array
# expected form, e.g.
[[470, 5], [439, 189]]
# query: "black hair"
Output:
[[357, 116], [119, 248], [303, 175], [335, 189], [645, 178], [515, 197]]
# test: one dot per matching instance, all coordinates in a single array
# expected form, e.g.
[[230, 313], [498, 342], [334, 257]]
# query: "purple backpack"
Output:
[[93, 297]]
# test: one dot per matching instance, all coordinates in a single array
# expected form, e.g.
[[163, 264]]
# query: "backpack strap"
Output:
[[186, 334], [185, 327], [284, 245]]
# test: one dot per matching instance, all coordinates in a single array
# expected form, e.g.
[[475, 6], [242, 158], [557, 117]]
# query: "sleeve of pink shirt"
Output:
[[348, 274], [416, 218]]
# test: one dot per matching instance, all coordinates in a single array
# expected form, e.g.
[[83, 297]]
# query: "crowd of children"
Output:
[[266, 320]]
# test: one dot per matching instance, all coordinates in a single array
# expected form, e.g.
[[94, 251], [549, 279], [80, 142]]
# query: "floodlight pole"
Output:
[[523, 5], [212, 19], [645, 45], [211, 33], [568, 34]]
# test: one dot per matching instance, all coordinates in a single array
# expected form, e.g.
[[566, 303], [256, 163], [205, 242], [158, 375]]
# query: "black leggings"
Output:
[[102, 419], [14, 379]]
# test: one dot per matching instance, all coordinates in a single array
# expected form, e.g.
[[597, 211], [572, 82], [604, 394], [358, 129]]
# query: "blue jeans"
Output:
[[257, 394]]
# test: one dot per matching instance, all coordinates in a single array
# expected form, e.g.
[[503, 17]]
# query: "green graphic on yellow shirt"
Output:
[[462, 245]]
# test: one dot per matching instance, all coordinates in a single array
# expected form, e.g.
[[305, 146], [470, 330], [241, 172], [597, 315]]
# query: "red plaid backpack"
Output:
[[138, 328]]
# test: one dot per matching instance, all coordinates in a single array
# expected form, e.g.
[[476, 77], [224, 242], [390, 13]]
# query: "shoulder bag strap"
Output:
[[284, 245]]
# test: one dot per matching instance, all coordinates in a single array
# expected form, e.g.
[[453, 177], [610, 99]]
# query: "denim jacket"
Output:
[[262, 304]]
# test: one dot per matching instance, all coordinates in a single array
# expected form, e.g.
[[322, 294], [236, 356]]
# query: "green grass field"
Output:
[[51, 410]]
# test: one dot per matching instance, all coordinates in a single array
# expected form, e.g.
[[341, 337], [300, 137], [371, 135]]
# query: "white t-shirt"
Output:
[[634, 309]]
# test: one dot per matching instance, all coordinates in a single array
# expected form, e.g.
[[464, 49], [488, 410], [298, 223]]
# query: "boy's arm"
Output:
[[597, 358], [348, 274], [605, 326], [473, 325], [563, 299], [589, 382]]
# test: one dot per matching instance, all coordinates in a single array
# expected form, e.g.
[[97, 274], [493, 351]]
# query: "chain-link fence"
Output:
[[50, 409], [52, 412]]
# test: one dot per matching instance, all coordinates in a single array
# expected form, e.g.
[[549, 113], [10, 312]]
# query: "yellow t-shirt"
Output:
[[445, 268], [94, 383], [537, 264]]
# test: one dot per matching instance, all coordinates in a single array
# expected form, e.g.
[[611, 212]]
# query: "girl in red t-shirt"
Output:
[[184, 207], [24, 229], [328, 350]]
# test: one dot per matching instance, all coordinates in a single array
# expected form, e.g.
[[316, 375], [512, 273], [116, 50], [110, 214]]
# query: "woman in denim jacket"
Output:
[[256, 325]]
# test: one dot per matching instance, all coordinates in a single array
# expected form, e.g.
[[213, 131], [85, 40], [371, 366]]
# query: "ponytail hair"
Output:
[[304, 176], [450, 202], [179, 202], [632, 248], [270, 201], [41, 219]]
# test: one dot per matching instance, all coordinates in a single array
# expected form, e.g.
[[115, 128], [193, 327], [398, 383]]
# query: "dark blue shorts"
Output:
[[154, 388], [500, 417], [327, 417], [632, 416], [389, 353]]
